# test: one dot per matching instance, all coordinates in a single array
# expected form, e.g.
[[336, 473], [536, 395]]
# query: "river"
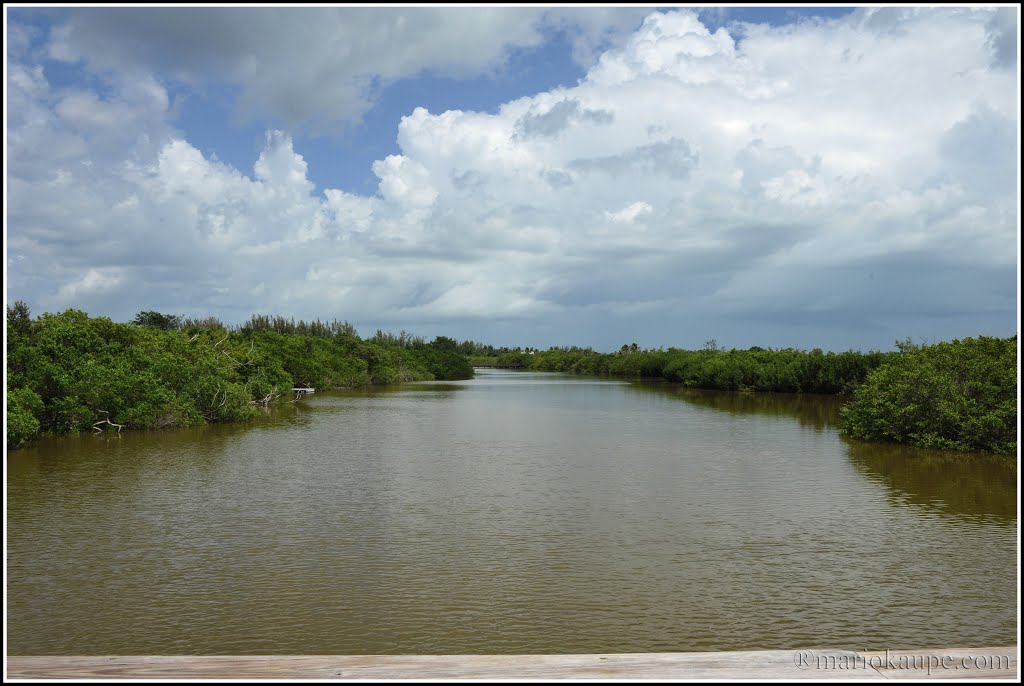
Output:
[[516, 512]]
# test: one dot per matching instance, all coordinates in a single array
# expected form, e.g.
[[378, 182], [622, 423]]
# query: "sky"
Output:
[[838, 178]]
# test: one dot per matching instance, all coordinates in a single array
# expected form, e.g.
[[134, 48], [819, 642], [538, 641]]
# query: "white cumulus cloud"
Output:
[[789, 175]]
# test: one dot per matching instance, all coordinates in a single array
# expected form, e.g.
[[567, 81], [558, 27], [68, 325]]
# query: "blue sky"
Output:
[[342, 159], [814, 177]]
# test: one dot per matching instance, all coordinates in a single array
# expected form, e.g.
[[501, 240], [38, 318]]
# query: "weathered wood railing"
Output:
[[955, 663]]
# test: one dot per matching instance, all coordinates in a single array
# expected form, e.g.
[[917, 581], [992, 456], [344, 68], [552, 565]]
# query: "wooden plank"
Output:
[[719, 665], [768, 664]]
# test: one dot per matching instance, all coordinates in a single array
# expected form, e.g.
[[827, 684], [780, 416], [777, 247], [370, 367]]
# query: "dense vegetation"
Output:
[[755, 369], [958, 395], [70, 372]]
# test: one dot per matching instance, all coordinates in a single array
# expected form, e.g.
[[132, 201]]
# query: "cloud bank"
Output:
[[812, 184]]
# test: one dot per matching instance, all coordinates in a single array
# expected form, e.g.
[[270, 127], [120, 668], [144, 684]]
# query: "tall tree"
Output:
[[156, 320]]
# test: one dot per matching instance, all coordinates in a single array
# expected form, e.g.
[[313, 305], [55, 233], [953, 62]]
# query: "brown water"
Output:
[[514, 513]]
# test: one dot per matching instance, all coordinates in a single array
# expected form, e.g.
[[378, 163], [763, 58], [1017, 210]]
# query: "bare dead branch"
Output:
[[236, 362], [268, 398], [97, 429]]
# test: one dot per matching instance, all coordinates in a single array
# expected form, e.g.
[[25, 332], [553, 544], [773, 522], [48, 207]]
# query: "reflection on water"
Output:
[[514, 513], [970, 484], [954, 483], [818, 411]]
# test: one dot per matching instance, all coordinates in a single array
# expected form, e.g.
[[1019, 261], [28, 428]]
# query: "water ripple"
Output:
[[509, 514]]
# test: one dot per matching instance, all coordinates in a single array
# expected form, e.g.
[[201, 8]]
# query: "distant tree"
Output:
[[445, 344], [344, 328], [207, 323], [19, 320], [156, 320]]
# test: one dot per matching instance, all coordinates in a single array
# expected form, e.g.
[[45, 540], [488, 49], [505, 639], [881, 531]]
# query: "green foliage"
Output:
[[513, 359], [402, 340], [959, 395], [304, 359], [69, 371], [23, 409], [444, 361], [209, 323], [481, 353], [445, 344], [156, 320], [756, 369], [19, 320], [278, 324]]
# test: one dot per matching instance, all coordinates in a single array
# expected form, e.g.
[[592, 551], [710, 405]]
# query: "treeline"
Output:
[[255, 323], [754, 369], [957, 395], [71, 372]]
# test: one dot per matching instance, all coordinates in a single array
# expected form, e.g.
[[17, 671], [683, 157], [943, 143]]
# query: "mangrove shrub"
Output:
[[957, 395]]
